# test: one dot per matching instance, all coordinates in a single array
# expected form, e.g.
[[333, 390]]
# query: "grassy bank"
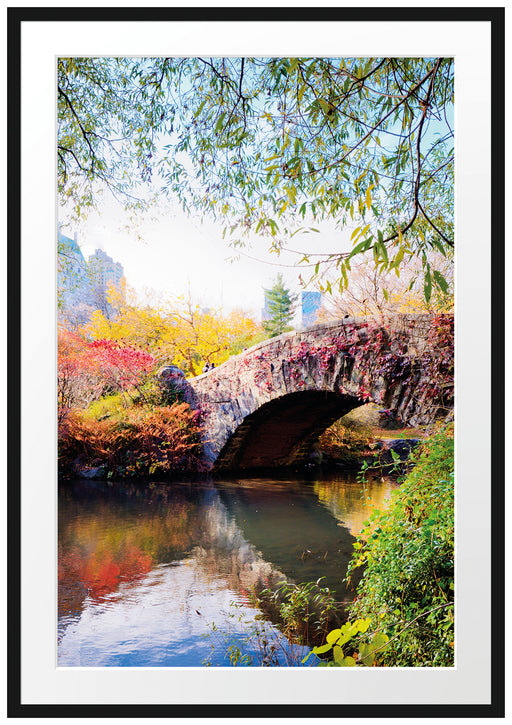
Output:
[[403, 611]]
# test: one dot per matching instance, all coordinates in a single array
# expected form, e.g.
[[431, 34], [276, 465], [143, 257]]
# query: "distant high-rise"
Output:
[[75, 289], [311, 303], [104, 273], [83, 286], [265, 312]]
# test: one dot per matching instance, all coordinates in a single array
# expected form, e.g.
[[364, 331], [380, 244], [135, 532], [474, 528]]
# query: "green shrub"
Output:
[[157, 393], [407, 552], [305, 612], [109, 406]]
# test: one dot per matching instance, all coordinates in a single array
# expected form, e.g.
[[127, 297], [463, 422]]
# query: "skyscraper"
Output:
[[83, 285], [311, 303], [75, 289], [104, 273]]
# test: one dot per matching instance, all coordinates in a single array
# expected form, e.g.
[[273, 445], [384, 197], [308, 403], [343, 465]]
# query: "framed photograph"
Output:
[[70, 643]]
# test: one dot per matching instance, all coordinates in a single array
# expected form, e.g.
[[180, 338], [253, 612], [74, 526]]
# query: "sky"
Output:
[[172, 254]]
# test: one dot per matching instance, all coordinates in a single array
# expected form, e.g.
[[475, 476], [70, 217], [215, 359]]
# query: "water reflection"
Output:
[[352, 502], [291, 528], [144, 569]]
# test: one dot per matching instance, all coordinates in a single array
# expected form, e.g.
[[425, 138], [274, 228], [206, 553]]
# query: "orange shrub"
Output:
[[150, 442]]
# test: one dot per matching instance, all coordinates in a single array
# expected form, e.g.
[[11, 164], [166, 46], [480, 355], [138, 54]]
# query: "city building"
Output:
[[311, 303], [75, 288], [265, 312], [104, 273], [83, 285]]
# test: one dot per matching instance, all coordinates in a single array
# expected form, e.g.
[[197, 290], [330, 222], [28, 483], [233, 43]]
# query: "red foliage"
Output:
[[120, 366], [102, 571], [77, 381], [87, 369]]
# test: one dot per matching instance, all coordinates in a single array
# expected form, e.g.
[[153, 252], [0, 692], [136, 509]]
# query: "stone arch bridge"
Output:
[[267, 406]]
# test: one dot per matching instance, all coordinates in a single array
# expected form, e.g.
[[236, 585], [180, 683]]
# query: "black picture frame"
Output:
[[495, 16]]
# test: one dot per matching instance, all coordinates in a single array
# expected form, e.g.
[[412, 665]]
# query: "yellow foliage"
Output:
[[177, 331]]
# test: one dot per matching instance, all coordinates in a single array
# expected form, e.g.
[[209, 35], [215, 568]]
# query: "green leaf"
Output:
[[273, 226], [344, 275], [398, 256], [337, 654], [325, 106], [427, 286], [363, 624], [383, 252], [365, 654], [361, 247], [441, 281], [348, 631], [333, 636], [348, 662], [219, 123], [196, 114], [379, 640], [322, 649]]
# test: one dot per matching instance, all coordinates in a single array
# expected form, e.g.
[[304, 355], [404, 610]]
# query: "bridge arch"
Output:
[[282, 431], [266, 406]]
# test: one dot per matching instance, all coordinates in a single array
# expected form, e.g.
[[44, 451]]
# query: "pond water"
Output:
[[162, 574]]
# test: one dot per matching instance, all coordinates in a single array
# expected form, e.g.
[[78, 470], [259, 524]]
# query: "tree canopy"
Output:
[[377, 295], [268, 144]]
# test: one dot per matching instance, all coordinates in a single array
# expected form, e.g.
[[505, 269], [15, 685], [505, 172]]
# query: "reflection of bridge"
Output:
[[268, 405], [250, 534], [286, 523], [207, 545]]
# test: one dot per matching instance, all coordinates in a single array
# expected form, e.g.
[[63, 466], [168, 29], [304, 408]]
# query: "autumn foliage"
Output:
[[157, 441], [86, 369], [176, 330], [121, 367], [136, 436]]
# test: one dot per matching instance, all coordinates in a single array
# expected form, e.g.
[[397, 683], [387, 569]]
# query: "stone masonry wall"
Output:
[[283, 392]]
